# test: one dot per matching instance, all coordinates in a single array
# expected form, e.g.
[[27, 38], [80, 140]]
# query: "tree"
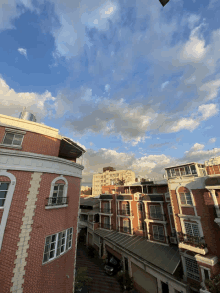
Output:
[[81, 278]]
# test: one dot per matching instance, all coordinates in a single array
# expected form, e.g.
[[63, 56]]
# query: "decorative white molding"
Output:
[[189, 217], [7, 203], [203, 251], [56, 207], [209, 261], [16, 131], [24, 161]]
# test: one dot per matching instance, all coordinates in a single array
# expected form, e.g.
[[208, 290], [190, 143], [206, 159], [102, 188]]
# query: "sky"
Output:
[[135, 83]]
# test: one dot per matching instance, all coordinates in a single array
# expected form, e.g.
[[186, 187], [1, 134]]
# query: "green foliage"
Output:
[[81, 278], [213, 285], [125, 280]]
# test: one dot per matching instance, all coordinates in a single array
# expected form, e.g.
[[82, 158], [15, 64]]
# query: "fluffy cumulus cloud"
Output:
[[23, 52], [208, 111], [12, 102], [212, 140]]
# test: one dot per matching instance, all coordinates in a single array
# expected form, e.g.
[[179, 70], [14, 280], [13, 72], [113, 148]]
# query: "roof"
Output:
[[180, 165], [90, 212], [149, 197], [70, 149], [106, 196], [164, 257], [88, 202], [124, 197]]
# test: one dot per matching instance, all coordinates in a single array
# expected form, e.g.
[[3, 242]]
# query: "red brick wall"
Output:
[[188, 211], [12, 230], [205, 209], [50, 277], [37, 143]]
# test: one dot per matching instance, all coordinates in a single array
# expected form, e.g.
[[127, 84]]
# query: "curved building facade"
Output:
[[39, 200]]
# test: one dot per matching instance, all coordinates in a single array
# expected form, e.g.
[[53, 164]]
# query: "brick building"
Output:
[[39, 199], [136, 226], [195, 198]]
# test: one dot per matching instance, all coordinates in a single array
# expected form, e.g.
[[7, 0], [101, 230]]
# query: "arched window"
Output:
[[58, 192]]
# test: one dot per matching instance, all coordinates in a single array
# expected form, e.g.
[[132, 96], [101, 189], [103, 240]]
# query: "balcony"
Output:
[[105, 226], [126, 230], [125, 213], [106, 211], [193, 243], [56, 201], [156, 217]]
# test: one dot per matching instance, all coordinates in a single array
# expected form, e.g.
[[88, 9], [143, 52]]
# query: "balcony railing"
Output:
[[105, 226], [192, 240], [127, 230], [106, 211], [156, 216], [53, 201], [125, 213]]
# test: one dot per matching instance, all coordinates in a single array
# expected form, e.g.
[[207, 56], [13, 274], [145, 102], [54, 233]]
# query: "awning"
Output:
[[164, 257], [149, 197]]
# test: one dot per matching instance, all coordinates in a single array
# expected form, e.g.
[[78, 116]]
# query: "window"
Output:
[[168, 173], [182, 171], [140, 207], [192, 229], [193, 169], [3, 192], [192, 269], [13, 139], [177, 171], [125, 209], [185, 198], [57, 244], [58, 194], [158, 233], [170, 210], [155, 212], [205, 274], [126, 225]]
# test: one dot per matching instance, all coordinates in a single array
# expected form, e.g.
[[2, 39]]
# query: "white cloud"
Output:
[[197, 147], [211, 88], [12, 102], [164, 84], [184, 123], [208, 111], [212, 140], [22, 51]]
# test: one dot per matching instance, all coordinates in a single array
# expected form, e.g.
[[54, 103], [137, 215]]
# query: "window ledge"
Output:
[[189, 217], [10, 146], [56, 207], [202, 251]]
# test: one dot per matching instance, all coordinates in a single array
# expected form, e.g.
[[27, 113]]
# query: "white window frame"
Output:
[[154, 207], [70, 239], [203, 274], [184, 195], [190, 274], [158, 239], [192, 230], [53, 183], [126, 228], [64, 245], [14, 132], [2, 182]]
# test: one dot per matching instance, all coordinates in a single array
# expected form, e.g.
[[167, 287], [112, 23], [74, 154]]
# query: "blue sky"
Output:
[[133, 82]]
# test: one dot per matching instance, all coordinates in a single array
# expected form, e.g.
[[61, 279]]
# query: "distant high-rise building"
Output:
[[110, 177]]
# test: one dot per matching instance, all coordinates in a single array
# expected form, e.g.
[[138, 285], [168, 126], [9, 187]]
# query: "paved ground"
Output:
[[101, 282]]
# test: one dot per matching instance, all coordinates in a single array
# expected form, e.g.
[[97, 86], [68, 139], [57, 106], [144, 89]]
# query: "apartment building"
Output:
[[136, 226], [195, 198], [39, 198], [108, 176]]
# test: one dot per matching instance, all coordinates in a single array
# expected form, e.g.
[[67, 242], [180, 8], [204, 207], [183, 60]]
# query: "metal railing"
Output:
[[192, 240], [53, 201], [106, 211], [127, 230], [125, 213], [156, 216], [105, 226]]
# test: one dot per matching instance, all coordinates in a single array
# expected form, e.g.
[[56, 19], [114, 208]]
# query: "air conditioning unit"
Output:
[[173, 240]]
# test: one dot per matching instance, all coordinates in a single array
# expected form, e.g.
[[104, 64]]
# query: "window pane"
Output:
[[52, 254], [4, 186], [182, 171], [173, 172], [206, 273], [193, 169], [17, 139], [177, 172], [187, 170], [61, 187], [56, 187], [46, 257], [3, 194], [168, 173], [2, 201], [182, 198], [8, 138]]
